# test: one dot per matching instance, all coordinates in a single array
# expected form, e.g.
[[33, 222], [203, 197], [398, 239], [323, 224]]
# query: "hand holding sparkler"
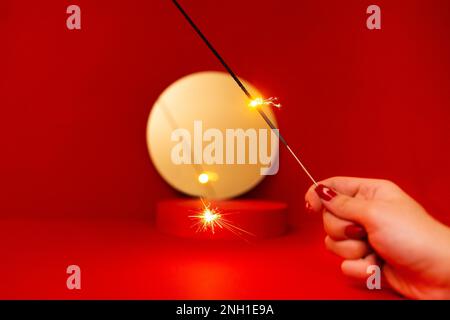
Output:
[[413, 246]]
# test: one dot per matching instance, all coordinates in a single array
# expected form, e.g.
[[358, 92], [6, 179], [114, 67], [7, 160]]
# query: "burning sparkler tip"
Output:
[[257, 102]]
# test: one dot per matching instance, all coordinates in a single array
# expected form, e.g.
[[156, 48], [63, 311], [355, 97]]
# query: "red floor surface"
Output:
[[124, 259]]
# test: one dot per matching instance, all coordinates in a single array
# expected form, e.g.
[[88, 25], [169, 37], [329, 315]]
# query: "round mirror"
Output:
[[195, 133]]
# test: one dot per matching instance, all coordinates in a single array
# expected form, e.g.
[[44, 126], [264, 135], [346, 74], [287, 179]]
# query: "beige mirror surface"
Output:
[[214, 99]]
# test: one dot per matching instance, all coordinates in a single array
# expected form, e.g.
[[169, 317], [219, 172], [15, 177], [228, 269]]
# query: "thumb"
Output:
[[343, 206]]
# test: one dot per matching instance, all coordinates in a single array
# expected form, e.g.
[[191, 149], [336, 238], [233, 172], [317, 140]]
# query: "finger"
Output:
[[334, 226], [345, 207], [312, 201], [345, 185], [351, 186], [340, 229], [348, 249], [358, 268]]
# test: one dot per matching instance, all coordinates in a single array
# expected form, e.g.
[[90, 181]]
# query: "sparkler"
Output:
[[254, 102]]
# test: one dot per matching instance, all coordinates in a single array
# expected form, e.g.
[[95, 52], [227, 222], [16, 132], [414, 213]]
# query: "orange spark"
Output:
[[209, 219], [272, 101]]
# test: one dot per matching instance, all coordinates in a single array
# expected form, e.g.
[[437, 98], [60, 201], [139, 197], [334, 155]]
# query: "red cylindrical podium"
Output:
[[248, 219]]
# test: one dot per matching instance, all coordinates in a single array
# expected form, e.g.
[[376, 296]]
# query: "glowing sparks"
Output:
[[272, 101], [209, 216], [256, 102], [210, 219]]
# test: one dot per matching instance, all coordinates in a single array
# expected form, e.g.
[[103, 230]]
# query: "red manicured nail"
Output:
[[325, 193], [308, 207], [355, 232]]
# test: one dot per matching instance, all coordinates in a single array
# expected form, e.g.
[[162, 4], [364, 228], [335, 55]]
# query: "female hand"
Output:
[[367, 219]]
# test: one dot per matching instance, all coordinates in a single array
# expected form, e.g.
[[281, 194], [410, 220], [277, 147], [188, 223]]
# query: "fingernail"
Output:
[[325, 193], [355, 232], [308, 207]]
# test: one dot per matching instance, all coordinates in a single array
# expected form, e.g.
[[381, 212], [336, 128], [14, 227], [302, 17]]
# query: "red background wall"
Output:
[[74, 104]]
